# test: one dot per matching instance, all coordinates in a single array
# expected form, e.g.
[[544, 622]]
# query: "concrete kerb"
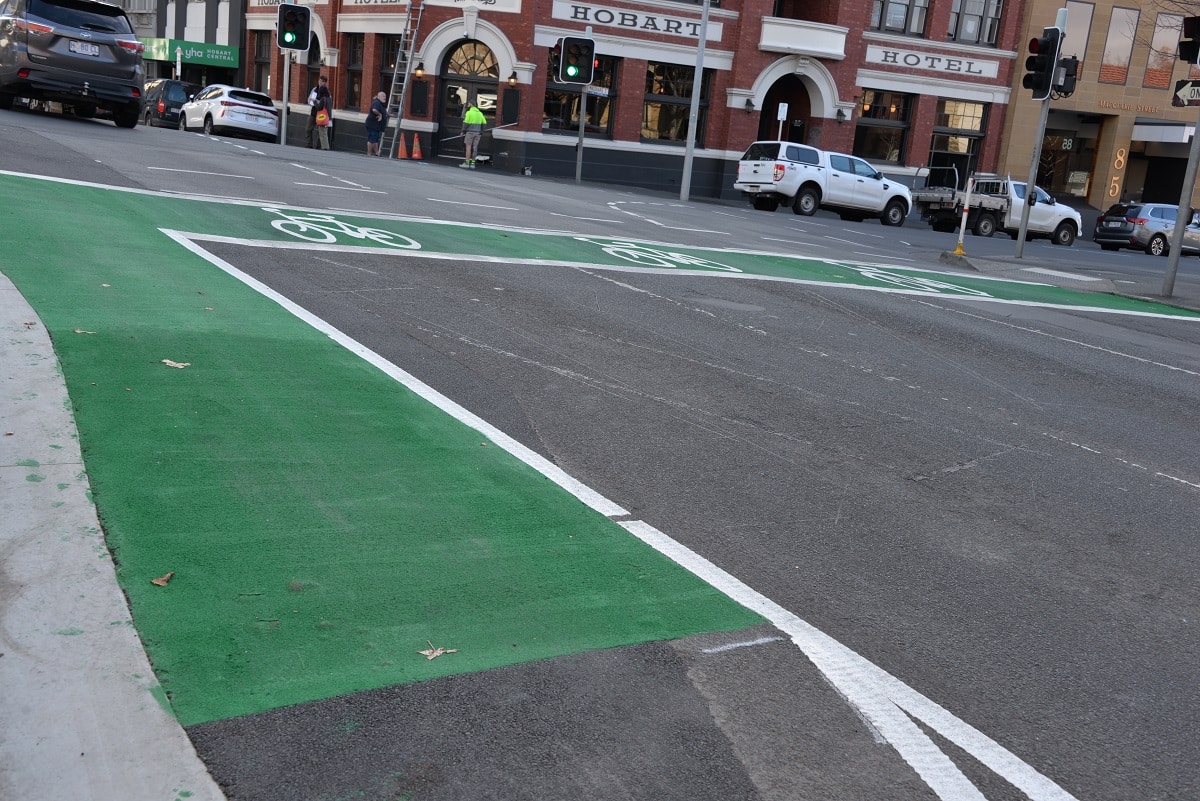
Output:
[[81, 713]]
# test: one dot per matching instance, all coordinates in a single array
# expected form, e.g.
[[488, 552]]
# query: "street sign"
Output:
[[1187, 93]]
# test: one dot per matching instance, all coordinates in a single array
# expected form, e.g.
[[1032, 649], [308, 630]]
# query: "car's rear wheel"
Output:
[[806, 202], [985, 225], [1158, 246], [208, 125], [126, 118], [894, 213], [1064, 235], [762, 203], [182, 122]]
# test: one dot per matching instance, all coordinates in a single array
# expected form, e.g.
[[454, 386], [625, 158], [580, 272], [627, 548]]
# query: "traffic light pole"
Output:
[[1185, 212], [287, 85], [685, 183], [583, 99], [1031, 184]]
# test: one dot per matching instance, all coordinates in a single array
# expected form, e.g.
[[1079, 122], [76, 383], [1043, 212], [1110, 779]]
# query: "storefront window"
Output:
[[263, 50], [354, 68], [958, 128], [975, 21], [882, 128], [560, 112], [668, 100], [1161, 61], [900, 16], [1121, 28]]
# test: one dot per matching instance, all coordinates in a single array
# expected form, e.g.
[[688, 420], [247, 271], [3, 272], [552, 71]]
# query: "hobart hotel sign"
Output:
[[969, 66], [631, 20]]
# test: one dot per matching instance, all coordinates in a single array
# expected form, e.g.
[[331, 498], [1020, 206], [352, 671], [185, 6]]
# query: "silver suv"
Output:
[[1124, 225], [80, 53]]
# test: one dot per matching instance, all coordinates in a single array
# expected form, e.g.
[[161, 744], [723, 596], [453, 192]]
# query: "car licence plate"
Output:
[[84, 48], [1113, 223]]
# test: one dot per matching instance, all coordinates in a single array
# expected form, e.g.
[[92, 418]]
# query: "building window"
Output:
[[1160, 63], [393, 53], [958, 129], [1121, 29], [975, 21], [668, 100], [473, 59], [263, 50], [1079, 28], [900, 16], [353, 48], [882, 128], [560, 111]]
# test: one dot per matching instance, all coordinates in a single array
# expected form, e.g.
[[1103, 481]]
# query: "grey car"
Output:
[[1123, 225], [82, 54], [1159, 232]]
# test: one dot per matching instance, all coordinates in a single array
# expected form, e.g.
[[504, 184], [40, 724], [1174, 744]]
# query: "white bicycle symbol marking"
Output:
[[912, 281], [325, 228], [646, 256]]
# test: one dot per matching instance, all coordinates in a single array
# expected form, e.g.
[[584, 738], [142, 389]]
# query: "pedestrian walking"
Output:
[[377, 120], [473, 123], [322, 112]]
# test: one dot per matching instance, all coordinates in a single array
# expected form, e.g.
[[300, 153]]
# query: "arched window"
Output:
[[473, 60]]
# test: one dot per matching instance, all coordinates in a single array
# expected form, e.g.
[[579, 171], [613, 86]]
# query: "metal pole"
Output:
[[583, 95], [685, 183], [287, 86], [1031, 184], [1185, 212]]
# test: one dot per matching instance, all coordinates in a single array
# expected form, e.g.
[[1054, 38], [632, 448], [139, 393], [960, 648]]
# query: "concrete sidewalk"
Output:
[[82, 715]]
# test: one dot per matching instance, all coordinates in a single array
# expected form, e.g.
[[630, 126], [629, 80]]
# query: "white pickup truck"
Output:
[[995, 203], [773, 174]]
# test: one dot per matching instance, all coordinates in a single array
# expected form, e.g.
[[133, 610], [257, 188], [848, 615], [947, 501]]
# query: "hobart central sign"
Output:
[[936, 62]]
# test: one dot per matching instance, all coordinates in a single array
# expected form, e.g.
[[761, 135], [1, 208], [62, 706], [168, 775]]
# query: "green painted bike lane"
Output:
[[320, 522]]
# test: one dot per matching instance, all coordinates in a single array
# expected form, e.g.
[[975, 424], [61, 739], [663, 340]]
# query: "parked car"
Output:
[[81, 54], [163, 99], [773, 174], [219, 108], [1158, 232], [996, 203], [1123, 225]]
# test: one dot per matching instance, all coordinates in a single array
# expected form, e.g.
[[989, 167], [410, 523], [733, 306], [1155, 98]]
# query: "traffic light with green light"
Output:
[[292, 26], [577, 61]]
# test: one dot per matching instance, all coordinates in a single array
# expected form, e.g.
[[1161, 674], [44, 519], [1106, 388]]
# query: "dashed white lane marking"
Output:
[[735, 645], [587, 219], [464, 203], [884, 701], [1060, 274], [202, 172], [341, 188]]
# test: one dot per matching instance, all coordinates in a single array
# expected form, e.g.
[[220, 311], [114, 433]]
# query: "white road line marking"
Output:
[[587, 219], [735, 645], [202, 172], [883, 700], [342, 188], [463, 203], [1059, 273], [794, 242]]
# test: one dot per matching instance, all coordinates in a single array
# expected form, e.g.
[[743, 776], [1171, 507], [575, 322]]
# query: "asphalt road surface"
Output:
[[969, 526]]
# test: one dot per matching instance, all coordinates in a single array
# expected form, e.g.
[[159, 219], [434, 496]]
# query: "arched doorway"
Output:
[[470, 74], [795, 128]]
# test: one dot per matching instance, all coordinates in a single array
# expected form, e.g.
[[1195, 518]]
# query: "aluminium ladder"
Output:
[[398, 95]]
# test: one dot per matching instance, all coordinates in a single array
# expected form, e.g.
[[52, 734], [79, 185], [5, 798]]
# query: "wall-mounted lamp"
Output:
[[749, 105], [420, 70], [841, 116], [512, 79]]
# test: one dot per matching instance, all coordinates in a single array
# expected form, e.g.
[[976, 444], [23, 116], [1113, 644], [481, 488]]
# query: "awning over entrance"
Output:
[[1149, 130], [214, 55]]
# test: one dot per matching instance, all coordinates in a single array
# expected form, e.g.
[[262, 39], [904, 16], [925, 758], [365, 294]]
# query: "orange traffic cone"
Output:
[[417, 146], [403, 152]]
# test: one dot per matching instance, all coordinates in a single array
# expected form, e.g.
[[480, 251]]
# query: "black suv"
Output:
[[163, 97], [80, 53]]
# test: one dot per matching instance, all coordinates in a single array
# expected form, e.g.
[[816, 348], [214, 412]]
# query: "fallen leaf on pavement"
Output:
[[434, 653], [163, 580]]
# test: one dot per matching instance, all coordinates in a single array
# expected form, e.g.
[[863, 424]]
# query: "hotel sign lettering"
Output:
[[635, 20], [969, 66]]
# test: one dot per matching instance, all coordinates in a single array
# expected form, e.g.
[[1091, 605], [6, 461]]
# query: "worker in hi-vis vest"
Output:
[[473, 122]]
